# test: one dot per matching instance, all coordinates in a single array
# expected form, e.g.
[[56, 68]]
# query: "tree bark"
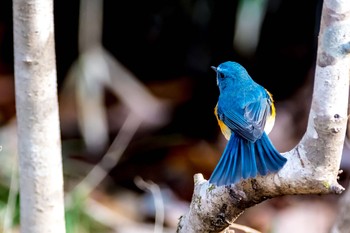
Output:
[[312, 166], [39, 144]]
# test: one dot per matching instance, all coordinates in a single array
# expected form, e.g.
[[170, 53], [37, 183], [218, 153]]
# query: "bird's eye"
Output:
[[221, 75]]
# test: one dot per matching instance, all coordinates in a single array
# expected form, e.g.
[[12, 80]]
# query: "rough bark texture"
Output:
[[41, 179], [313, 165]]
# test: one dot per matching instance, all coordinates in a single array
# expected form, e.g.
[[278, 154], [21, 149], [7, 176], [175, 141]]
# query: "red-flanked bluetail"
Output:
[[246, 114]]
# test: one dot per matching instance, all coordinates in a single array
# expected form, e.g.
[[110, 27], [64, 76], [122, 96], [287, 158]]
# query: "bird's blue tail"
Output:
[[245, 159]]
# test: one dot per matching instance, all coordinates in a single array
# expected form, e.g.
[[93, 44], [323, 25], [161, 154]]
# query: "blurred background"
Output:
[[136, 97]]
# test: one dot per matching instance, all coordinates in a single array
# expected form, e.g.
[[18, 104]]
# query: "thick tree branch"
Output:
[[313, 165]]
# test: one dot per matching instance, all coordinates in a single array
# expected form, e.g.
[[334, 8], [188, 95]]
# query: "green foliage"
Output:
[[4, 193], [77, 218]]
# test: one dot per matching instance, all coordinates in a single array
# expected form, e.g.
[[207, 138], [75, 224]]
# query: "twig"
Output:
[[243, 228], [158, 201], [111, 158], [90, 24]]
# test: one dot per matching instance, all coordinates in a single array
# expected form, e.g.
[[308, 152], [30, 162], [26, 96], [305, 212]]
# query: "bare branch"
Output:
[[158, 201], [111, 158]]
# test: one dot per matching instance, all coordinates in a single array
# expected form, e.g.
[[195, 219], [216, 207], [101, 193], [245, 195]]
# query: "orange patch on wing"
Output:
[[270, 121], [273, 109], [224, 129]]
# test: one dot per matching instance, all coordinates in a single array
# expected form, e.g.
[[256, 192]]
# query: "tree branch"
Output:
[[313, 165]]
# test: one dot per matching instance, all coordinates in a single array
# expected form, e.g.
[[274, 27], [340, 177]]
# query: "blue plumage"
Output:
[[243, 110]]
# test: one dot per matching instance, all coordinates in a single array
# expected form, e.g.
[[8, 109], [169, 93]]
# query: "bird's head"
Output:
[[229, 71]]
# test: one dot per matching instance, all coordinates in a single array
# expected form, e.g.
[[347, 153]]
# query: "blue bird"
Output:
[[246, 114]]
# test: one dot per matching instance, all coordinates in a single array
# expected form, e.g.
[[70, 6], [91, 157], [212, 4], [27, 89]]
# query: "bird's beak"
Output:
[[214, 68]]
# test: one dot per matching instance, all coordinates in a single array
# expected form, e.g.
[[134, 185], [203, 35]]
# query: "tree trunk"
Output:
[[39, 144], [312, 166]]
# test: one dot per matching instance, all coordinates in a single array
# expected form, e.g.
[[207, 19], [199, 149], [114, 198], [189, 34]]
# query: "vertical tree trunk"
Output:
[[39, 145]]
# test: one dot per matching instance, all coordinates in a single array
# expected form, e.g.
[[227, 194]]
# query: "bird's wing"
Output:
[[250, 121]]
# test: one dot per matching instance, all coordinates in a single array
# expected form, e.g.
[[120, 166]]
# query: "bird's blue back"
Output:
[[243, 104]]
